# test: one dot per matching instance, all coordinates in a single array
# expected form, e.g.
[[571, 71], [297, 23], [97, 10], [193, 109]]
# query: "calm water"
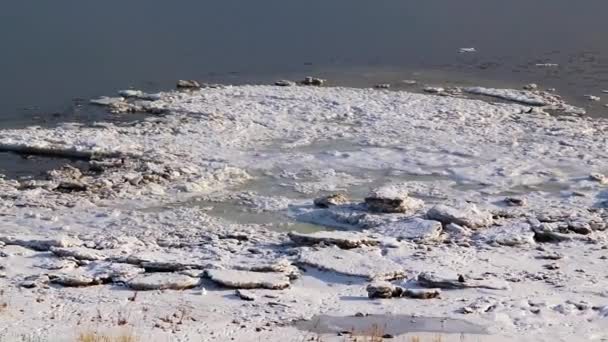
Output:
[[57, 53], [395, 325]]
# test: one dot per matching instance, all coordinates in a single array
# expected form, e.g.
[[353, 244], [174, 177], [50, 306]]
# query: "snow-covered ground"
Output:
[[496, 208]]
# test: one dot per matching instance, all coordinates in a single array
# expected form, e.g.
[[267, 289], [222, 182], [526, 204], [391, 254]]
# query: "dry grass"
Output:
[[436, 338], [375, 334], [3, 303], [96, 337]]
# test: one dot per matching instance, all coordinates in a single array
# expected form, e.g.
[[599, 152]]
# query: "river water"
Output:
[[57, 54]]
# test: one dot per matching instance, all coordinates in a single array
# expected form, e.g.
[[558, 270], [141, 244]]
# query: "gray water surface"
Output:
[[395, 325], [56, 54]]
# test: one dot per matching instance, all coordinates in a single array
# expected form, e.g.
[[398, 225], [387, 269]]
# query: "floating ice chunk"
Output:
[[510, 235], [467, 50], [413, 229], [345, 240], [138, 94], [593, 98], [130, 93], [162, 281], [73, 280], [433, 90], [188, 84], [284, 83], [331, 200], [531, 86], [313, 81], [466, 215], [360, 262], [249, 280], [520, 96], [79, 253], [107, 101], [392, 199], [382, 86], [39, 244]]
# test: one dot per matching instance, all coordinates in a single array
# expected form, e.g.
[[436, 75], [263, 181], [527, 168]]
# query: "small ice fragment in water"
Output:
[[188, 84], [547, 65], [467, 50], [107, 101], [382, 86], [524, 97], [409, 82], [593, 97], [531, 86], [138, 94], [433, 90], [284, 83], [313, 81], [130, 93]]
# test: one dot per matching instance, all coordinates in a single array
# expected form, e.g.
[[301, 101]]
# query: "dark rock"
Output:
[[516, 202], [421, 293], [71, 186], [331, 200], [246, 295], [381, 289]]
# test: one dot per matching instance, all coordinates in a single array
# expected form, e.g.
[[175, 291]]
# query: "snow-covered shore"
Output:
[[497, 209]]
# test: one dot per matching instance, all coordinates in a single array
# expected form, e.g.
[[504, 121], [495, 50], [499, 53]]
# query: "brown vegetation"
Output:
[[96, 337]]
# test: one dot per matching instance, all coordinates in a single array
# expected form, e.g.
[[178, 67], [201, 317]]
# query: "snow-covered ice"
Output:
[[467, 194]]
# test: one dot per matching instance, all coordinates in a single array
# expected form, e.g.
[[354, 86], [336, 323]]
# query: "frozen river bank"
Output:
[[491, 213]]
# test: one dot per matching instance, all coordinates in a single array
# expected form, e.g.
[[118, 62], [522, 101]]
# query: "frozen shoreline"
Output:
[[481, 189]]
